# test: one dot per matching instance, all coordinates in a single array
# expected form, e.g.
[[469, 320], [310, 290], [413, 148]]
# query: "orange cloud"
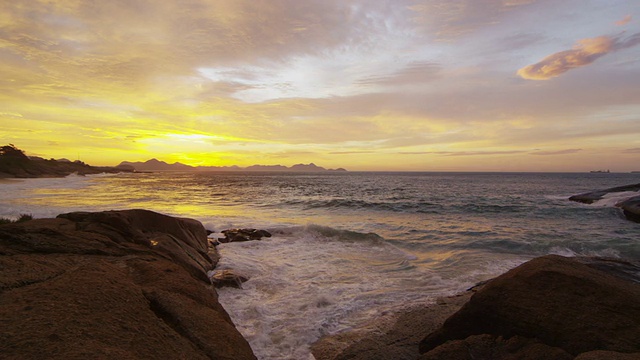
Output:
[[584, 52], [624, 21]]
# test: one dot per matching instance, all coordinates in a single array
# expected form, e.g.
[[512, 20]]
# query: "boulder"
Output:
[[631, 208], [593, 196], [552, 303], [235, 235], [111, 285], [222, 278], [493, 347], [182, 240]]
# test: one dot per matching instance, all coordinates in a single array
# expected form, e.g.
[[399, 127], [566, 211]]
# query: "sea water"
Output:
[[349, 248]]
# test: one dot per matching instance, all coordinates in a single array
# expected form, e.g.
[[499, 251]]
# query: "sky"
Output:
[[390, 85]]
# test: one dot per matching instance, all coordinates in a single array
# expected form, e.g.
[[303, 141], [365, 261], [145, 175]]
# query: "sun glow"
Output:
[[364, 87]]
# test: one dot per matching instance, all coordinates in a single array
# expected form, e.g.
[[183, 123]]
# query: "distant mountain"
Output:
[[157, 165]]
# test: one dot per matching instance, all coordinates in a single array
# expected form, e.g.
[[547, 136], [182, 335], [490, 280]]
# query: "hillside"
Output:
[[157, 165], [15, 164]]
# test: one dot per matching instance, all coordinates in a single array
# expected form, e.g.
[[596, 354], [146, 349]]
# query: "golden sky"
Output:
[[423, 85]]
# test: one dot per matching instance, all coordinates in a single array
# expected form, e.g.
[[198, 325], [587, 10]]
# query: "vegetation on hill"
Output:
[[15, 164]]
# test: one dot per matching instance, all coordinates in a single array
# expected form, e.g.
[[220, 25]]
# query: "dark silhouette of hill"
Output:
[[157, 165], [15, 164]]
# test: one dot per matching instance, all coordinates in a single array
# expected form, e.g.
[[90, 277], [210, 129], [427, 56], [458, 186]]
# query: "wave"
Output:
[[325, 233], [354, 204], [614, 198], [340, 279]]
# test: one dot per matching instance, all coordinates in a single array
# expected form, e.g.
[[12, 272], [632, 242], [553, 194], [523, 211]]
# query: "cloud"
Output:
[[351, 152], [558, 152], [583, 53], [624, 21], [448, 20], [463, 153], [416, 72], [632, 151]]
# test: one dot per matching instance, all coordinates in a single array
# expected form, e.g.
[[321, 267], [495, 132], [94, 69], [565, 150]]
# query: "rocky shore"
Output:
[[630, 205], [551, 307], [134, 284], [112, 285]]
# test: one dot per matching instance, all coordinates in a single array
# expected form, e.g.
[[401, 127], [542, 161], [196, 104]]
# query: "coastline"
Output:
[[591, 313], [395, 336], [113, 285], [143, 275], [390, 332]]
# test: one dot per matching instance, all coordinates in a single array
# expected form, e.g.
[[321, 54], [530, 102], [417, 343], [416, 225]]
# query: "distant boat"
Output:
[[600, 171]]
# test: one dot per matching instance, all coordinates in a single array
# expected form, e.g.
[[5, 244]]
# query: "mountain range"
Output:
[[158, 165]]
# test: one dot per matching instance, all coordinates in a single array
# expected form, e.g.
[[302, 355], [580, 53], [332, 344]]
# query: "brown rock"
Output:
[[391, 337], [222, 278], [495, 348], [182, 240], [561, 302], [236, 235], [607, 355], [591, 197], [631, 208], [111, 285]]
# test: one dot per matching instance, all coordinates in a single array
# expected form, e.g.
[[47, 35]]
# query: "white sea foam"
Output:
[[306, 282], [312, 280], [564, 251], [613, 198]]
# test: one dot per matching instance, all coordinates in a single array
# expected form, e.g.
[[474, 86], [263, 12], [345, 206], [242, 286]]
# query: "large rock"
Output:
[[113, 285], [553, 305], [237, 235], [630, 206], [593, 196]]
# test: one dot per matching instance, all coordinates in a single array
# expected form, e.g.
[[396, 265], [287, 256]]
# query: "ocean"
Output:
[[350, 248]]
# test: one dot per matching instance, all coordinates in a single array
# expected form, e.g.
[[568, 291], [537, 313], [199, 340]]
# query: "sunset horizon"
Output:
[[411, 85], [320, 179]]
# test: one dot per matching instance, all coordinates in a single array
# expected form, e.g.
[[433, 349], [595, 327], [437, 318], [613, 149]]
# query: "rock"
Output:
[[559, 302], [390, 337], [591, 197], [492, 347], [235, 235], [181, 240], [117, 284], [222, 278], [631, 208], [607, 355]]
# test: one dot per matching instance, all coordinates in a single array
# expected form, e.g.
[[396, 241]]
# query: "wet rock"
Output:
[[631, 208], [593, 196], [111, 285], [235, 235], [222, 278], [492, 347], [559, 302]]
